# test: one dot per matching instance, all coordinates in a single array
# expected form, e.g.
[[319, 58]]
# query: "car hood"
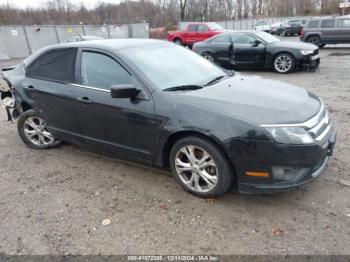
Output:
[[255, 99], [294, 45]]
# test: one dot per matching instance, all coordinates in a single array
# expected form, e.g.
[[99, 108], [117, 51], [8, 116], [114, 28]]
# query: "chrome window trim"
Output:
[[91, 88], [307, 124]]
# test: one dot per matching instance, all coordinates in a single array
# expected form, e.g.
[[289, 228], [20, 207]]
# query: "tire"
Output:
[[284, 63], [217, 167], [314, 40], [178, 41], [32, 130], [209, 57]]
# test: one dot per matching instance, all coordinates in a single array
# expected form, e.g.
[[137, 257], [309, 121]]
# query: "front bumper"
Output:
[[269, 154], [310, 62]]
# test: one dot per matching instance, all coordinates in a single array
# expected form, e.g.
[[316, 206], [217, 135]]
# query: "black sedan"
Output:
[[256, 49], [163, 105]]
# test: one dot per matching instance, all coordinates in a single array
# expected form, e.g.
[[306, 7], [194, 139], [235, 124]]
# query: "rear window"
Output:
[[328, 23], [222, 39], [55, 65], [313, 24]]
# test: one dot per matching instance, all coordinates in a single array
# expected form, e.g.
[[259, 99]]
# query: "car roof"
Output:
[[107, 44], [114, 44]]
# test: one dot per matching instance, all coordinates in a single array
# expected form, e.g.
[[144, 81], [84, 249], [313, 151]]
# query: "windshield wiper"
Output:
[[215, 80], [183, 88]]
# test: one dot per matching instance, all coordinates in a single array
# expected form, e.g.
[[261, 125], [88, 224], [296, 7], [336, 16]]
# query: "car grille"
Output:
[[319, 126]]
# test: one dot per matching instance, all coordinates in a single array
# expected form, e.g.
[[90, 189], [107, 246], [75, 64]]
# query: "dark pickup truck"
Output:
[[327, 31]]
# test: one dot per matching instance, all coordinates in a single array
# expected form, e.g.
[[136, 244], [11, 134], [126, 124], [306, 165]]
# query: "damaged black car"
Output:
[[160, 104]]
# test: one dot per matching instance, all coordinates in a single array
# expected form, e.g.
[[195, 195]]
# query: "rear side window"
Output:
[[243, 39], [313, 24], [328, 23], [192, 28], [222, 39], [102, 71], [202, 28], [56, 65], [344, 23]]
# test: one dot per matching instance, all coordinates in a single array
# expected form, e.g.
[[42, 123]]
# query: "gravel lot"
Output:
[[53, 202]]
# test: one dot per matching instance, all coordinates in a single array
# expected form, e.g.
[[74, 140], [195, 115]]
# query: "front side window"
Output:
[[222, 39], [243, 39], [102, 71], [313, 24], [328, 23], [344, 23], [56, 65]]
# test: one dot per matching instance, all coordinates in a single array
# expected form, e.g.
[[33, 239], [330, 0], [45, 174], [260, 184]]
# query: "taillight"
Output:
[[302, 31]]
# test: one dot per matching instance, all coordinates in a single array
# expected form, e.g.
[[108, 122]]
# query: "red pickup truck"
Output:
[[195, 32]]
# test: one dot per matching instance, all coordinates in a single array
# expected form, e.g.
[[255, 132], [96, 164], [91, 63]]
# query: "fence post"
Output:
[[108, 32], [57, 36], [131, 31], [83, 27], [27, 40]]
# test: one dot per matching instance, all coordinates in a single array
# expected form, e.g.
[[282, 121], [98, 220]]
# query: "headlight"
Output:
[[306, 52], [290, 135]]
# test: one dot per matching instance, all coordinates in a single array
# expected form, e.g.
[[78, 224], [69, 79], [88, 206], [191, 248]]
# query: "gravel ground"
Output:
[[54, 202]]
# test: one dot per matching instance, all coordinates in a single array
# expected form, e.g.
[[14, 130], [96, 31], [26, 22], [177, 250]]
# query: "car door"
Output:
[[329, 30], [48, 83], [343, 31], [191, 33], [246, 52], [202, 33], [220, 48], [123, 125]]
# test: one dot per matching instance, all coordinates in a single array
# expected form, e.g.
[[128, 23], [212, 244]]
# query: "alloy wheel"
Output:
[[196, 168], [35, 130], [283, 63], [209, 57]]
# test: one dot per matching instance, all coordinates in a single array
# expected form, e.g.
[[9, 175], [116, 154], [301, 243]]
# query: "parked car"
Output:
[[327, 31], [211, 128], [256, 49], [262, 26], [195, 32], [79, 38], [294, 27], [277, 28]]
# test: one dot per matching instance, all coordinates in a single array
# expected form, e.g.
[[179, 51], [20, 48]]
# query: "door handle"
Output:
[[84, 100]]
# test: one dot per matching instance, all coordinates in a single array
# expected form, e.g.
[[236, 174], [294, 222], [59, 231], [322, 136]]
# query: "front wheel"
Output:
[[33, 132], [201, 167], [284, 63]]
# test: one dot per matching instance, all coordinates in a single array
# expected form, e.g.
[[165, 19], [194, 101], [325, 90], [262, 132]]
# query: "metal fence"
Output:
[[247, 24], [21, 41]]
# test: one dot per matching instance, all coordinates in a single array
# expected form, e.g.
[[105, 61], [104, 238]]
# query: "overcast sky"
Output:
[[38, 3]]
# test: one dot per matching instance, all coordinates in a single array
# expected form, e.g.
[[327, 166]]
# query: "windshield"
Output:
[[215, 26], [169, 65], [268, 38]]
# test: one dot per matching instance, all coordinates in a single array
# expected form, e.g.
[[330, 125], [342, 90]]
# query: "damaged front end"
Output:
[[7, 97]]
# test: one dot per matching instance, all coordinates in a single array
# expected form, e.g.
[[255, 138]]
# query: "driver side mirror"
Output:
[[257, 43], [124, 91]]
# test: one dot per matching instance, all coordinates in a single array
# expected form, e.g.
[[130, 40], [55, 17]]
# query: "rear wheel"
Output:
[[178, 41], [33, 132], [314, 40], [284, 63], [209, 57], [201, 167]]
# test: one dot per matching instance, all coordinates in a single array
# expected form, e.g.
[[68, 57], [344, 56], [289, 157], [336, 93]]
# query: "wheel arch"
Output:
[[171, 140]]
